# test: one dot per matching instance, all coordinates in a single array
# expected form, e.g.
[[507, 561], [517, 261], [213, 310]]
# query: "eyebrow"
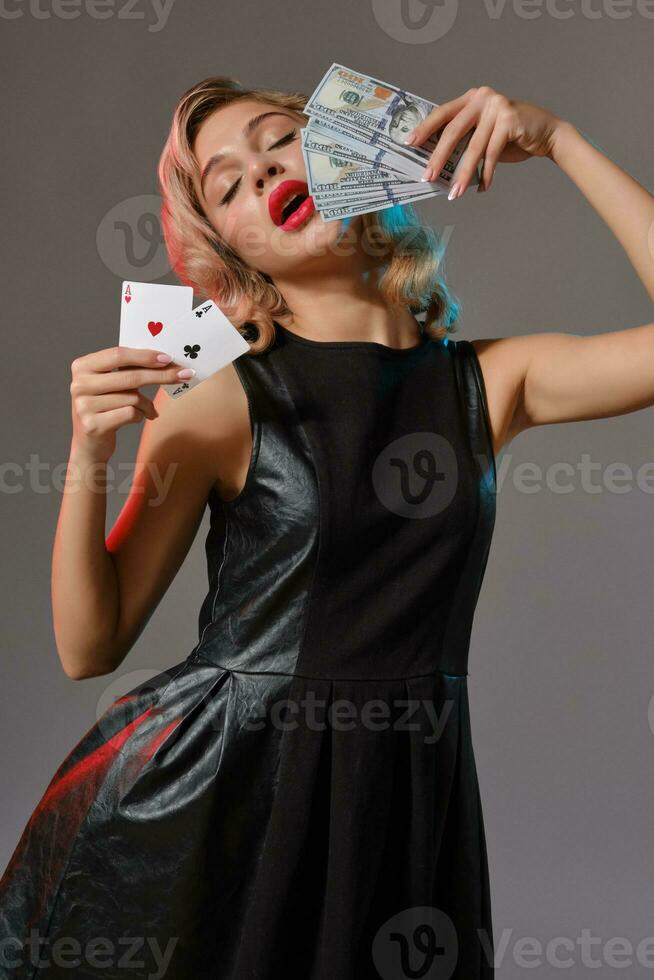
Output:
[[248, 129]]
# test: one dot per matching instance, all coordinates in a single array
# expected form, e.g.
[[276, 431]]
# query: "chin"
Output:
[[321, 243]]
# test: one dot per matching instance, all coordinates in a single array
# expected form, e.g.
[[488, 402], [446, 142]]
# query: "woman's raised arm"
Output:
[[104, 591], [554, 377]]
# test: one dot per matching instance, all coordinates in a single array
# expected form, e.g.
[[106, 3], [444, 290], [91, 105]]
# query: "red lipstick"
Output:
[[282, 195]]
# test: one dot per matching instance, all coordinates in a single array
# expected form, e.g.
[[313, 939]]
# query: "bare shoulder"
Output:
[[216, 412], [503, 362]]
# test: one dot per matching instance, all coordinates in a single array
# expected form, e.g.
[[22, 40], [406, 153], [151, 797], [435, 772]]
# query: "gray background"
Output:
[[561, 666]]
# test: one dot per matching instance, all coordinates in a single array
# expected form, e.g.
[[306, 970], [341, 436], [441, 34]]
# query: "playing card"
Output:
[[148, 311], [204, 340]]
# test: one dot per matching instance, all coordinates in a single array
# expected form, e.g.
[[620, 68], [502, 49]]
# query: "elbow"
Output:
[[95, 658], [80, 673], [80, 669]]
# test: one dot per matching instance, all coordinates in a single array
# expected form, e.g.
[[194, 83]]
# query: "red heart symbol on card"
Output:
[[128, 299], [155, 328]]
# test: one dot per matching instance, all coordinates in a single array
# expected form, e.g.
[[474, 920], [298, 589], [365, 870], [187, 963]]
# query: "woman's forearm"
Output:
[[85, 594], [624, 204]]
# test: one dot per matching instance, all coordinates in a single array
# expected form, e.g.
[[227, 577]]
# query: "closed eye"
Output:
[[288, 138]]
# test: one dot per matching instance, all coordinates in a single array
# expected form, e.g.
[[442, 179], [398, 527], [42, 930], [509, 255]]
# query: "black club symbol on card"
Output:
[[191, 351]]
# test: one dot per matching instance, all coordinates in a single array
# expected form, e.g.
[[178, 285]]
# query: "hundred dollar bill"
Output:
[[365, 146], [377, 194], [329, 141], [382, 114], [376, 191], [368, 144], [363, 104], [330, 172], [362, 146], [333, 178], [372, 186], [362, 204], [333, 174], [337, 212]]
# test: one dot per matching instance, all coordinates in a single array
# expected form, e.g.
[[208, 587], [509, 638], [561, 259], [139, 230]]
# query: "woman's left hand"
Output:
[[505, 131]]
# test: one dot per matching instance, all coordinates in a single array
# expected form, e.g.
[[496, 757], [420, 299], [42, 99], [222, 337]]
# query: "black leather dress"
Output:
[[298, 797]]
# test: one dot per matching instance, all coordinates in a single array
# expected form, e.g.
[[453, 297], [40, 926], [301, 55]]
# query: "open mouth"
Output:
[[290, 204], [293, 205]]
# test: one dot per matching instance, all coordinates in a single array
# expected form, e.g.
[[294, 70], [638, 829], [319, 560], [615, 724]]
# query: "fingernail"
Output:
[[410, 138], [186, 373], [427, 174], [164, 358], [454, 190]]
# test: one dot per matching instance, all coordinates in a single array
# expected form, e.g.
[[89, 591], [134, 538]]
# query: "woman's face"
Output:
[[260, 149]]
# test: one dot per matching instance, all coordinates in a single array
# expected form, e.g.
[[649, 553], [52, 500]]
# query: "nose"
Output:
[[263, 171]]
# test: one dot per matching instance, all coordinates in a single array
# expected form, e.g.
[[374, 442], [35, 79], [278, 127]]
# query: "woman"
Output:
[[298, 797]]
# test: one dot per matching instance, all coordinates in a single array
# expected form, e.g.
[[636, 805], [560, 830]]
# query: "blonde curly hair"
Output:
[[411, 253]]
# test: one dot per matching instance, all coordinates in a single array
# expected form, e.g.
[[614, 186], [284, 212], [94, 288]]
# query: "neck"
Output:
[[346, 307]]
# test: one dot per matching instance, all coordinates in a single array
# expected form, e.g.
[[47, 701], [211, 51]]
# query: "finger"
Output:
[[144, 404], [437, 119], [105, 403], [451, 137], [495, 146], [473, 153], [109, 421], [112, 358], [131, 377]]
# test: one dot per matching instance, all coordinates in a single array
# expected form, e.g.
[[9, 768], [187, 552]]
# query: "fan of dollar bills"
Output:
[[353, 146]]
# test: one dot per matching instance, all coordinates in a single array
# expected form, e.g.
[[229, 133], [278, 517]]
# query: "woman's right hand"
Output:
[[105, 396]]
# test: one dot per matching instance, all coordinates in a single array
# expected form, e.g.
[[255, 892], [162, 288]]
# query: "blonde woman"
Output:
[[298, 796]]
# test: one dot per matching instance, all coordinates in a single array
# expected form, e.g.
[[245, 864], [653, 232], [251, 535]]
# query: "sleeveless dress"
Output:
[[298, 797]]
